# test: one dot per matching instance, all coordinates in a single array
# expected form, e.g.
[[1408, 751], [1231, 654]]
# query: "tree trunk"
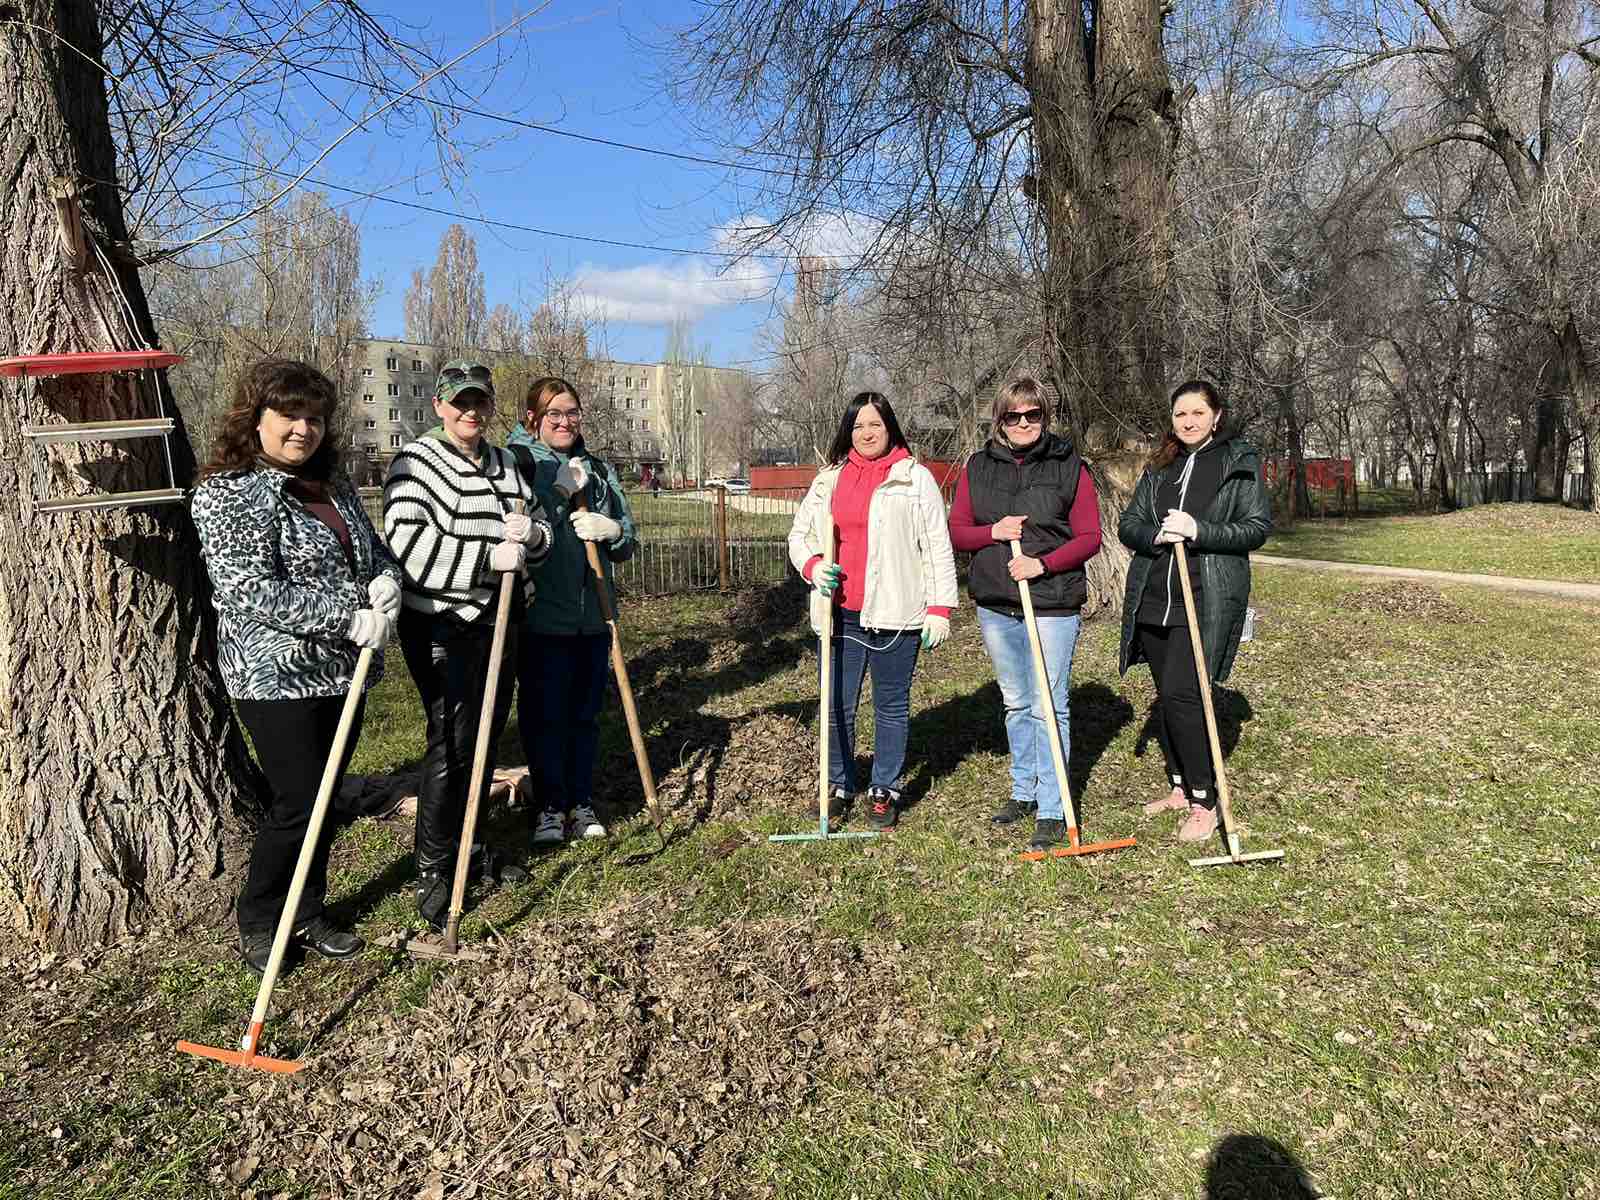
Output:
[[122, 768], [1104, 126]]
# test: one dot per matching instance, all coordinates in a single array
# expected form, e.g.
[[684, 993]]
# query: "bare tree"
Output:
[[122, 768], [446, 308]]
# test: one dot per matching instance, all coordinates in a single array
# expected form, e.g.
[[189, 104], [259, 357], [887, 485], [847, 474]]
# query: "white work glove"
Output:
[[595, 527], [1180, 523], [825, 578], [507, 556], [384, 593], [369, 629], [571, 478], [935, 629], [518, 528]]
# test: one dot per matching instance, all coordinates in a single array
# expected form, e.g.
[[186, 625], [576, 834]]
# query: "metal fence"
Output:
[[1505, 487], [694, 540]]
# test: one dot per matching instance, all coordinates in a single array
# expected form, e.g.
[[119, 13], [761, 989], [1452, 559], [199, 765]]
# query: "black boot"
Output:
[[255, 947], [433, 896], [322, 936]]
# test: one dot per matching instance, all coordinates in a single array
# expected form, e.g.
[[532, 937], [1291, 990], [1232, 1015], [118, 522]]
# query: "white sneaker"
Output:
[[585, 824], [550, 831]]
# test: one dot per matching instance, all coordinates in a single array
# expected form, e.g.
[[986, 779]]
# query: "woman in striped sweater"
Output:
[[447, 512]]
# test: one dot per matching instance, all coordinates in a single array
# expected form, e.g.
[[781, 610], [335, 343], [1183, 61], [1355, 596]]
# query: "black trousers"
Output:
[[292, 740], [450, 662], [1180, 716]]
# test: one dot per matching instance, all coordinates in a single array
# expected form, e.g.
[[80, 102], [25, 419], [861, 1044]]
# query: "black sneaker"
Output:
[[838, 804], [255, 947], [322, 936], [880, 808], [433, 897], [1048, 832], [1013, 811]]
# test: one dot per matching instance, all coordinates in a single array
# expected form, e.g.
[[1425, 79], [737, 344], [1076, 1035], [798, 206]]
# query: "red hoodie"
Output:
[[852, 500]]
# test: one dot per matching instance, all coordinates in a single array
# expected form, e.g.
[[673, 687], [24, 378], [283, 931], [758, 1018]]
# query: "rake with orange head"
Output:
[[246, 1055], [1075, 845]]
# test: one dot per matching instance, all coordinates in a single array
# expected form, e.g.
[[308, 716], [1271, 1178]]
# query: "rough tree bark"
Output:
[[120, 764]]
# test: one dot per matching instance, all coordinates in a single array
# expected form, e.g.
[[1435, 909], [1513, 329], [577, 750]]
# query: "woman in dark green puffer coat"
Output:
[[1203, 486]]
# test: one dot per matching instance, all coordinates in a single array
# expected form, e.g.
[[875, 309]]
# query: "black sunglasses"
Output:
[[452, 375], [1032, 416]]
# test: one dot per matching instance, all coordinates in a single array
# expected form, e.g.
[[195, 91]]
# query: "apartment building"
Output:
[[393, 393]]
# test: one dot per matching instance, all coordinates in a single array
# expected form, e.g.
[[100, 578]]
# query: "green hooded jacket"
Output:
[[563, 595], [1234, 523]]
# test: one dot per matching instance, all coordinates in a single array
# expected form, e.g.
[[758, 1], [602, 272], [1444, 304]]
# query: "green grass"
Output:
[[1405, 1004], [1531, 541]]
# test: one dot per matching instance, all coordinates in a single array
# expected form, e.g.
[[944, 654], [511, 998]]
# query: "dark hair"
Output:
[[840, 450], [292, 388], [1023, 388], [1170, 445], [540, 393]]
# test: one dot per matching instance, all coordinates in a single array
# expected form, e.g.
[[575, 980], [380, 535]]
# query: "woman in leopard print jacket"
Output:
[[302, 583]]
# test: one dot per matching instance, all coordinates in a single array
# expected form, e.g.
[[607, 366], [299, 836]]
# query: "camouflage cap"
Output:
[[462, 375]]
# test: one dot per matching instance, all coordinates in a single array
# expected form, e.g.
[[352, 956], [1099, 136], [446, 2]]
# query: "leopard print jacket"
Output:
[[283, 589]]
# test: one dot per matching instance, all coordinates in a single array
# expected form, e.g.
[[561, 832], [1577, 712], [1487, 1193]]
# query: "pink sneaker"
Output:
[[1200, 824], [1170, 803]]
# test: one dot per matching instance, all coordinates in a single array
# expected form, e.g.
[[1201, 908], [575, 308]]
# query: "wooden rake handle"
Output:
[[1041, 678], [619, 667], [480, 753], [1224, 800]]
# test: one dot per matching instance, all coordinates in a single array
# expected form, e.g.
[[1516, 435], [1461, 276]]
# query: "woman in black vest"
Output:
[[1203, 487], [1028, 484]]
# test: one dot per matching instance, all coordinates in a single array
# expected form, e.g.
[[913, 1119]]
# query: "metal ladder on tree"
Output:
[[80, 251]]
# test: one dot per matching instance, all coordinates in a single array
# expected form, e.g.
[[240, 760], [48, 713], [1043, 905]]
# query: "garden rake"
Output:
[[450, 946], [1230, 834], [825, 645], [619, 667], [1041, 678], [246, 1055]]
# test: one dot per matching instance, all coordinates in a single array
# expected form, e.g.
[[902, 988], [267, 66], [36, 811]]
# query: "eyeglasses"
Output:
[[1033, 416], [563, 416], [472, 398]]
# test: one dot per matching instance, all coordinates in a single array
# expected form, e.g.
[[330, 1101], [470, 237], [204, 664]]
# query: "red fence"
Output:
[[1320, 472], [793, 481]]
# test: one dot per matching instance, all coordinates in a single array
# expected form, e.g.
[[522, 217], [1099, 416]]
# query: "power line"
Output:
[[492, 222]]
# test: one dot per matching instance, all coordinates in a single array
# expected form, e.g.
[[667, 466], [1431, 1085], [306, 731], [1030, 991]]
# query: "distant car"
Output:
[[716, 481], [737, 487]]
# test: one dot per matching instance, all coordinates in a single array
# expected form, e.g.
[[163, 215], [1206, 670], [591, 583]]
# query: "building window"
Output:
[[394, 389], [612, 381], [644, 426], [416, 389], [644, 383], [627, 403], [370, 423], [630, 424], [416, 414], [392, 363], [394, 441], [394, 414], [366, 372], [627, 381], [372, 449], [367, 399], [416, 365]]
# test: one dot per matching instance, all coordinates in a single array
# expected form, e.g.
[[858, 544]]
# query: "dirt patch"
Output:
[[606, 1056], [1409, 601], [1523, 518], [768, 764]]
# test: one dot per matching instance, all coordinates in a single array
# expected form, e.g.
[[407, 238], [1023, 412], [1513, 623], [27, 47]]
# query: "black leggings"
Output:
[[449, 660], [292, 740], [1180, 717]]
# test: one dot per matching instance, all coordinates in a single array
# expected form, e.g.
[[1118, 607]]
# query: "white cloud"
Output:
[[659, 293], [834, 236]]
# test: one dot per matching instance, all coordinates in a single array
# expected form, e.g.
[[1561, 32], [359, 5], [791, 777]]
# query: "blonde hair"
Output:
[[1021, 390]]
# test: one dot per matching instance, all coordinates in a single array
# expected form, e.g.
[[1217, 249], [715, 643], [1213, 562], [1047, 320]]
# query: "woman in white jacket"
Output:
[[894, 580]]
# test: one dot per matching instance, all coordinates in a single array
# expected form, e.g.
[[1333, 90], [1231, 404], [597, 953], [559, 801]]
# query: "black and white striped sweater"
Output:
[[443, 512]]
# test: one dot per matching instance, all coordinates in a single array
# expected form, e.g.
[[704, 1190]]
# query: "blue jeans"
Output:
[[561, 684], [891, 655], [1005, 637]]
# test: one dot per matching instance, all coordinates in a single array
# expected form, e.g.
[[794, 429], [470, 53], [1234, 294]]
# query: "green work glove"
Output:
[[935, 629], [825, 578]]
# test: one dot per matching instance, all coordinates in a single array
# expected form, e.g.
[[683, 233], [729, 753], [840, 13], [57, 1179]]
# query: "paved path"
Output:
[[1505, 583]]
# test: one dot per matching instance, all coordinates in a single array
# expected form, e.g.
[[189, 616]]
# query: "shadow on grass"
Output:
[[1247, 1166]]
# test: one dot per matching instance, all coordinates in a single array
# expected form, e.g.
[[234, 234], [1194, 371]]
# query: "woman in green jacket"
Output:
[[564, 652], [1203, 487]]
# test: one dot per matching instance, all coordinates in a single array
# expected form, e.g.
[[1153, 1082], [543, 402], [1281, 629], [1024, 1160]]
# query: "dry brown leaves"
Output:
[[768, 764], [1410, 601], [602, 1056]]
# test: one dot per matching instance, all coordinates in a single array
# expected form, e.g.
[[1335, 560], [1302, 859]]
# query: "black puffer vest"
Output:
[[1041, 487]]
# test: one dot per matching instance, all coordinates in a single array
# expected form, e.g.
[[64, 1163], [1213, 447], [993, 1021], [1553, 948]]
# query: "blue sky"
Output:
[[592, 70]]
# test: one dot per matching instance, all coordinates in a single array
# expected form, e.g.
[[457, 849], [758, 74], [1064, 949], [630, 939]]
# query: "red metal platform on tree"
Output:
[[86, 364]]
